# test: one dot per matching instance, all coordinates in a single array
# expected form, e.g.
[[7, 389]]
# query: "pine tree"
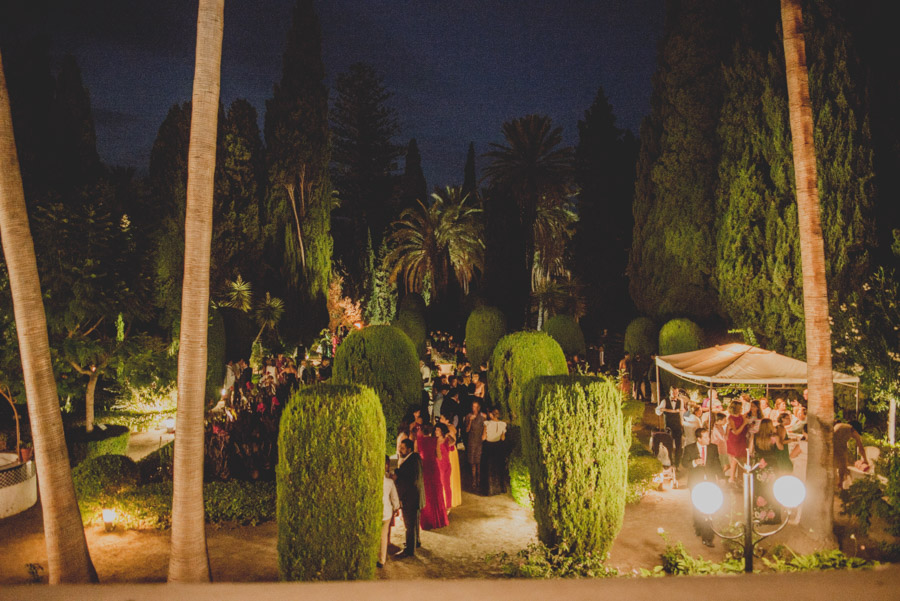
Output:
[[412, 184], [604, 172], [673, 256], [299, 200], [364, 166]]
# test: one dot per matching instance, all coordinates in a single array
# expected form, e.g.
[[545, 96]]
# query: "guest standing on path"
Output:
[[701, 459], [434, 513], [475, 433], [390, 504], [411, 490]]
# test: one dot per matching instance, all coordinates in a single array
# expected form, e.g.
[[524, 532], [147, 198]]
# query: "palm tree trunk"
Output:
[[818, 513], [189, 558], [67, 553]]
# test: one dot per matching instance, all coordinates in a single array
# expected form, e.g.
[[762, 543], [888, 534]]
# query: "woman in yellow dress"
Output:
[[455, 485]]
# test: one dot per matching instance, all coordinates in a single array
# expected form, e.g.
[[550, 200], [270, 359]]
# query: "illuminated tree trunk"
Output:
[[189, 559], [67, 553], [818, 511]]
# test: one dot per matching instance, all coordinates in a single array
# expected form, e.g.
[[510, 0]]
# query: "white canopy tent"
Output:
[[742, 364]]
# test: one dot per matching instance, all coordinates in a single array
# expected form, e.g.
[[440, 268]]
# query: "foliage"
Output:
[[485, 326], [342, 310], [413, 301], [677, 561], [604, 173], [382, 303], [890, 462], [539, 561], [520, 479], [215, 355], [104, 440], [150, 505], [833, 559], [641, 337], [364, 166], [566, 331], [412, 323], [863, 500], [428, 241], [412, 184], [517, 358], [158, 466], [576, 445], [318, 538], [105, 475], [672, 262], [680, 336], [384, 358], [242, 443]]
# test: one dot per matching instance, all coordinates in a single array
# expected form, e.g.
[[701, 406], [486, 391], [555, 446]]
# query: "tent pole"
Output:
[[857, 400], [892, 422], [709, 422], [658, 383]]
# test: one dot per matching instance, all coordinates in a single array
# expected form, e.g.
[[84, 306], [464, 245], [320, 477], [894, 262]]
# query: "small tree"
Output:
[[412, 323], [680, 336], [384, 358], [517, 358], [485, 326], [566, 331], [576, 444], [640, 336], [331, 441]]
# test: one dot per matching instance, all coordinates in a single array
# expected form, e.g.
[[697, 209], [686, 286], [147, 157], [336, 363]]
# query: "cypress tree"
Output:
[[470, 183], [673, 256], [364, 166], [604, 172], [72, 147], [412, 184], [299, 200]]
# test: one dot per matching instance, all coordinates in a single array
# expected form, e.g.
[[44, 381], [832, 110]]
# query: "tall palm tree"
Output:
[[67, 553], [532, 168], [818, 515], [189, 559], [428, 242]]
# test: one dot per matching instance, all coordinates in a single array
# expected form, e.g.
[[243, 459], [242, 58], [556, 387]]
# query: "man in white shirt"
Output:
[[390, 502]]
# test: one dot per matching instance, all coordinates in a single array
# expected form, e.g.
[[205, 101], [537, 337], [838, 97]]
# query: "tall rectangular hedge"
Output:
[[329, 483], [575, 440]]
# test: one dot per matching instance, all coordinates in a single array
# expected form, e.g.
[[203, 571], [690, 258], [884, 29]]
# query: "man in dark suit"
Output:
[[701, 460], [411, 490]]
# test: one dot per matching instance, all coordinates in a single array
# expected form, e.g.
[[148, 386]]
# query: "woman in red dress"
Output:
[[434, 514], [736, 438], [444, 448]]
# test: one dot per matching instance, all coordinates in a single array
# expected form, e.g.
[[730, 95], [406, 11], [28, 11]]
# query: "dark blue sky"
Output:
[[458, 69]]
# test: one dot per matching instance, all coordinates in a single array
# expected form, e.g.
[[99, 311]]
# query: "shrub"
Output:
[[863, 500], [517, 358], [566, 331], [237, 501], [103, 440], [413, 302], [329, 484], [381, 357], [640, 337], [540, 561], [215, 355], [680, 336], [413, 325], [158, 465], [105, 475], [485, 326], [576, 445]]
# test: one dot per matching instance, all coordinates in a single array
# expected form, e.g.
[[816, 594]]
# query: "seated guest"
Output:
[[701, 460]]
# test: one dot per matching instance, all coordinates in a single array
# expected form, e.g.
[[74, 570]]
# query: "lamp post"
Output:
[[708, 498]]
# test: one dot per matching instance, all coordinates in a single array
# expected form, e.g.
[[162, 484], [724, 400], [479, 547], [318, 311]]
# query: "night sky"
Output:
[[458, 69]]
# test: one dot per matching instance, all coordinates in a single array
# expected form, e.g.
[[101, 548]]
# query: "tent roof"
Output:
[[741, 364]]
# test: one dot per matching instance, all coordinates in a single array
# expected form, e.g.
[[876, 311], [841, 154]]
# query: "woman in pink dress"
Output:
[[434, 514], [736, 439], [444, 446]]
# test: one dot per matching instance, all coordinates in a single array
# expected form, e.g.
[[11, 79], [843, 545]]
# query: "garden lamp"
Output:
[[109, 519]]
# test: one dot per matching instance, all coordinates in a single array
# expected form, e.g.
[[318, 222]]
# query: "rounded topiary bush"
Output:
[[413, 325], [640, 337], [485, 326], [105, 475], [575, 441], [102, 440], [517, 358], [413, 302], [329, 484], [566, 331], [680, 336], [382, 357]]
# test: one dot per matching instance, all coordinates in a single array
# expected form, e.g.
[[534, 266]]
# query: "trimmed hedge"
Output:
[[329, 484], [641, 337], [103, 440], [384, 358], [576, 445], [485, 326], [158, 465], [412, 323], [566, 331], [516, 359], [680, 336], [105, 475], [414, 302]]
